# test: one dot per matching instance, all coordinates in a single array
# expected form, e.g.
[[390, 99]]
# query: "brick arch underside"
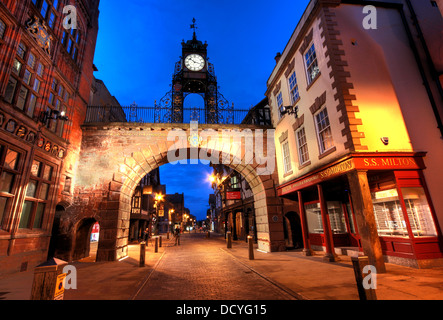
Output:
[[267, 205]]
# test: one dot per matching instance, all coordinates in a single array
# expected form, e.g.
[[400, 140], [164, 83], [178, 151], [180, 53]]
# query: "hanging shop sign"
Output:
[[233, 195]]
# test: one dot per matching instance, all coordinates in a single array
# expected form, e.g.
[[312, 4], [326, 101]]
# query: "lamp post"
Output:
[[170, 212], [158, 198]]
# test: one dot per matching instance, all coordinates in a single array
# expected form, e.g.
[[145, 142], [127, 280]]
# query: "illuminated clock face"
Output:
[[195, 62]]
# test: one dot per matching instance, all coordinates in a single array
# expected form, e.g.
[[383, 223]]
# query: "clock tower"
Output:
[[194, 74]]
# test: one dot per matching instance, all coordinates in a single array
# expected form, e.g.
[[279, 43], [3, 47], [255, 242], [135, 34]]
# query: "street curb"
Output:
[[148, 276], [292, 293]]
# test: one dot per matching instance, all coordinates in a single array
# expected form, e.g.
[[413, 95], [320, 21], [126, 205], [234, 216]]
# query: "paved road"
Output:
[[199, 270]]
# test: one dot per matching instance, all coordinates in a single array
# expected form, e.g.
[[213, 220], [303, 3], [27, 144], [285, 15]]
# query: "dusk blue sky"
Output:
[[139, 42]]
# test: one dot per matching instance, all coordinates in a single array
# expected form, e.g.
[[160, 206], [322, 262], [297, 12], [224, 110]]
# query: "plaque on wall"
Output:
[[61, 153], [40, 33], [21, 132], [11, 126], [40, 142], [47, 146], [31, 137]]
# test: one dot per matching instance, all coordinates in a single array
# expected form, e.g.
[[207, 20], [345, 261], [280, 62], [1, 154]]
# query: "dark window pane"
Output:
[[6, 181], [39, 216], [44, 191], [44, 10], [26, 215], [2, 29], [3, 202], [32, 189], [10, 89], [47, 175]]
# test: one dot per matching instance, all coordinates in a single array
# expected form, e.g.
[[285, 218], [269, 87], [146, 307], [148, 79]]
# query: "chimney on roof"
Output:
[[277, 57]]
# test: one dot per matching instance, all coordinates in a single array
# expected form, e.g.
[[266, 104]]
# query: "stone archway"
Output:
[[82, 240], [115, 157]]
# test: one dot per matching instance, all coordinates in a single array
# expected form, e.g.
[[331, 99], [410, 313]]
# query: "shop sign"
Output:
[[326, 174], [233, 195], [386, 163]]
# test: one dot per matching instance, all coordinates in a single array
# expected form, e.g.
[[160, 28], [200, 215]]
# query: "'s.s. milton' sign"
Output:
[[384, 163]]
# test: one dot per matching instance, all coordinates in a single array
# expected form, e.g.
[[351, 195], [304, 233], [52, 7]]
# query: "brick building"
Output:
[[46, 73], [358, 117]]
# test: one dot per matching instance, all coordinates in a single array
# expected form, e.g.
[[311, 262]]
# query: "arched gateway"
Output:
[[114, 158], [117, 151]]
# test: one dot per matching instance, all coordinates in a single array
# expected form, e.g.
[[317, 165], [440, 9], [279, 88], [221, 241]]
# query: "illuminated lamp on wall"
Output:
[[45, 116], [289, 110], [385, 140]]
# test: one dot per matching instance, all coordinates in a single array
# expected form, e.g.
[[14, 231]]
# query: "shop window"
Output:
[[336, 217], [37, 195], [313, 217], [350, 218], [389, 214], [419, 212]]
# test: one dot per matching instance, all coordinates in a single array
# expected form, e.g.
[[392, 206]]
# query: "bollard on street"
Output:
[[156, 245], [142, 253], [364, 293], [160, 241], [229, 239], [251, 247], [48, 283]]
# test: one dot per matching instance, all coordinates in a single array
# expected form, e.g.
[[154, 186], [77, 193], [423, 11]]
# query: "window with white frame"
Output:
[[312, 69], [286, 157], [293, 88], [324, 130], [302, 145], [279, 104]]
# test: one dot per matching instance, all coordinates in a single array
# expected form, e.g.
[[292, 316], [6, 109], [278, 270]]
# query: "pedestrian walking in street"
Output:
[[177, 235]]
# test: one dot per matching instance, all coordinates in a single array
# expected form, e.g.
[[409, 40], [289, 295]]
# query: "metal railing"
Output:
[[137, 114]]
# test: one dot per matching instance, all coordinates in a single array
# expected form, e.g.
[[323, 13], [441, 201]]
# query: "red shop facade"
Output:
[[376, 204]]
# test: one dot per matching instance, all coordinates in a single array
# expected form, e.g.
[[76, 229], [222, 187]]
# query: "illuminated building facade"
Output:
[[357, 107], [46, 73]]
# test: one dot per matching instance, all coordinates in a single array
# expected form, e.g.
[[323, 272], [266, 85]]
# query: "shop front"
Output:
[[375, 204]]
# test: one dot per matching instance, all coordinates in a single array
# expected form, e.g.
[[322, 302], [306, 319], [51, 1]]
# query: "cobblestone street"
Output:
[[199, 270]]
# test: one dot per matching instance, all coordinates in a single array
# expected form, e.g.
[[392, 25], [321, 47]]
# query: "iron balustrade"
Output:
[[137, 114]]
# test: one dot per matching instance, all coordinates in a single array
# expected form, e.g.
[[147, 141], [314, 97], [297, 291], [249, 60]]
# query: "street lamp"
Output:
[[171, 211], [158, 198], [289, 110]]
